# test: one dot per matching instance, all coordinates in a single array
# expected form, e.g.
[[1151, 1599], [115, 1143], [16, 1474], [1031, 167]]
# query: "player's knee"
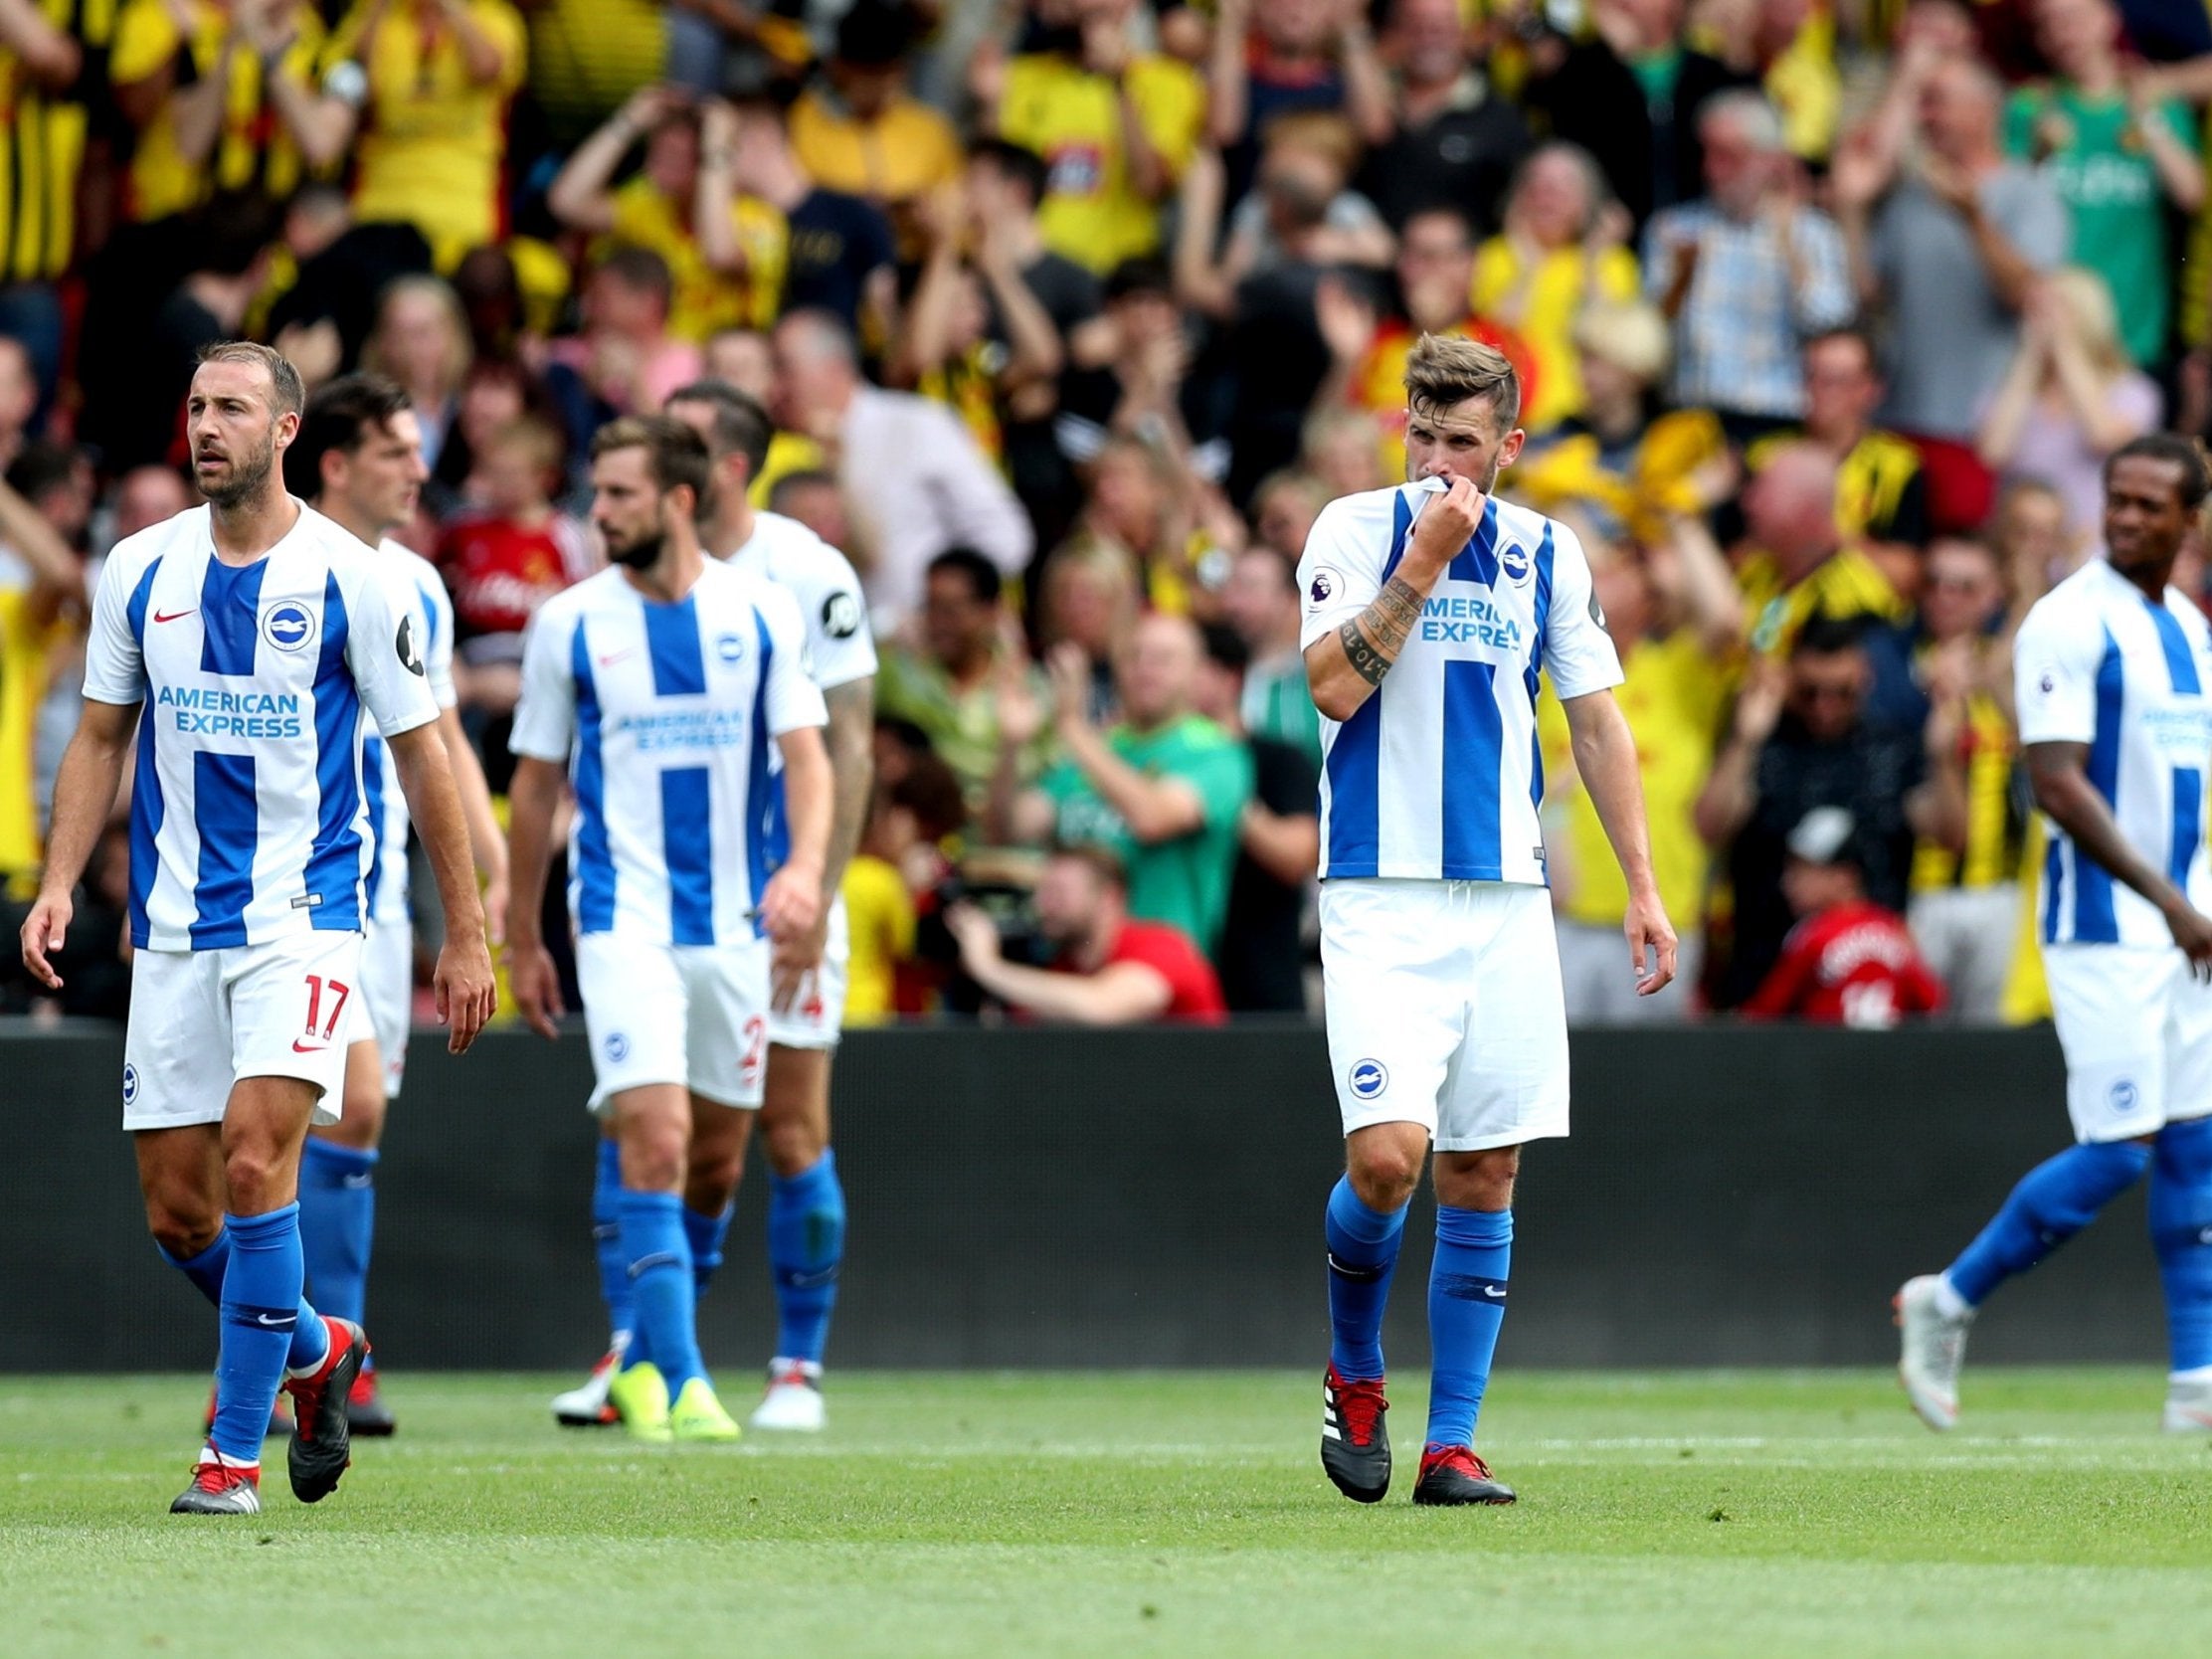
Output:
[[253, 1171], [653, 1158], [1384, 1171], [712, 1173], [793, 1142], [182, 1223], [1478, 1181]]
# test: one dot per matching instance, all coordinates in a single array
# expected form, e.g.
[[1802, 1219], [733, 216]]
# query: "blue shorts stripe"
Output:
[[686, 846]]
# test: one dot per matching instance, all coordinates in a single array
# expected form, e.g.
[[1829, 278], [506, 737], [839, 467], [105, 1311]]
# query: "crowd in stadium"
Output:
[[1071, 316]]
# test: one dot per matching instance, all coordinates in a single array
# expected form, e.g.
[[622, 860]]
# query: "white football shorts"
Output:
[[1444, 1008], [816, 1012], [388, 1005], [2136, 1028], [691, 1014], [202, 1020]]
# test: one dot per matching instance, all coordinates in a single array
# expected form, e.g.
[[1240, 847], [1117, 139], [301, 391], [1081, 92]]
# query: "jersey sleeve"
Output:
[[1578, 654], [385, 643], [1341, 571], [837, 620], [545, 713], [2054, 673], [114, 662], [792, 698]]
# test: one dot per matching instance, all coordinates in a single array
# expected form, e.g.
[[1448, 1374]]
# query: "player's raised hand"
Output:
[[1447, 523], [1652, 946], [535, 985], [43, 932], [468, 995]]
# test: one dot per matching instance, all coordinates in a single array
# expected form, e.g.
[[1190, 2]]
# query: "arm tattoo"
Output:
[[1373, 638]]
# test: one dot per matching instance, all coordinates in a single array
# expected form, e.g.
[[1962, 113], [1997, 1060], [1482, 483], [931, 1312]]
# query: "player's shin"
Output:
[[661, 1284], [2182, 1234], [706, 1235], [206, 1269], [262, 1317], [2053, 1201], [1466, 1307], [337, 1224], [1363, 1256], [805, 1250]]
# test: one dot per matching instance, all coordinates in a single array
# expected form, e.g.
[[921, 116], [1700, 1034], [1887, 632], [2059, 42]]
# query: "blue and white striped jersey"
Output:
[[667, 718], [421, 586], [248, 815], [2096, 662], [1437, 777]]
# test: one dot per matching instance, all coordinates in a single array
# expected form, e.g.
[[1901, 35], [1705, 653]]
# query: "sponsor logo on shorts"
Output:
[[130, 1084], [2123, 1096], [841, 615], [288, 625], [618, 1046], [1324, 587], [1366, 1079], [1513, 559], [731, 647]]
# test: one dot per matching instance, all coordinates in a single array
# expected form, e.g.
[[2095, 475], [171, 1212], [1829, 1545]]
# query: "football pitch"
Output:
[[1795, 1514]]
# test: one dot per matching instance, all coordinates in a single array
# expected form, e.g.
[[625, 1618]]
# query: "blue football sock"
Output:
[[806, 1248], [1466, 1305], [2182, 1233], [661, 1284], [262, 1311], [1362, 1254], [206, 1269], [2053, 1200], [606, 1240], [705, 1234], [337, 1225]]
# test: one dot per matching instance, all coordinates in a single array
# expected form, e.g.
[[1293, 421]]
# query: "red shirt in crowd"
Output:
[[1855, 965], [500, 572], [1193, 988]]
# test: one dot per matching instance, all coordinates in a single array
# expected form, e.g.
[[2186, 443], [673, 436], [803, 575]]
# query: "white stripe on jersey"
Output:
[[248, 818], [667, 716], [2096, 662], [420, 586], [1436, 777]]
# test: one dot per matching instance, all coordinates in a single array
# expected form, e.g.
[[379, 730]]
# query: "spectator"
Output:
[[1139, 355], [42, 601], [1848, 961], [1164, 790], [816, 500], [1262, 605], [1004, 184], [1956, 653], [1141, 504], [2028, 533], [1745, 273], [1560, 252], [327, 272], [1284, 508], [500, 563], [233, 103], [227, 251], [2071, 398], [145, 497], [1881, 490], [427, 95], [2123, 163], [1090, 593], [861, 132], [1791, 45], [1799, 739], [1116, 127], [1278, 847], [19, 397], [1435, 275], [1672, 616], [905, 462], [1951, 253], [834, 253], [1108, 966], [1277, 57], [1797, 563], [1630, 94], [661, 205], [39, 156], [949, 686], [1300, 211], [624, 362], [1342, 449], [1452, 138], [420, 341]]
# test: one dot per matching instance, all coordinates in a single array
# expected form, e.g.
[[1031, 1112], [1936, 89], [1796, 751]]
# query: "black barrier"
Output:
[[1035, 1197]]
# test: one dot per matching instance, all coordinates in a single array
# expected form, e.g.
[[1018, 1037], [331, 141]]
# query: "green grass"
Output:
[[1777, 1513]]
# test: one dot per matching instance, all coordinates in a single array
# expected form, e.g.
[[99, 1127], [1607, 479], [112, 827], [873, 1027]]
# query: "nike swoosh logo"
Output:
[[1494, 1293], [172, 615], [270, 1319], [298, 1047], [618, 657]]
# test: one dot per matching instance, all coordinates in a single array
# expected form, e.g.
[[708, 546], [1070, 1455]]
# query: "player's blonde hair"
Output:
[[1445, 370], [286, 395]]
